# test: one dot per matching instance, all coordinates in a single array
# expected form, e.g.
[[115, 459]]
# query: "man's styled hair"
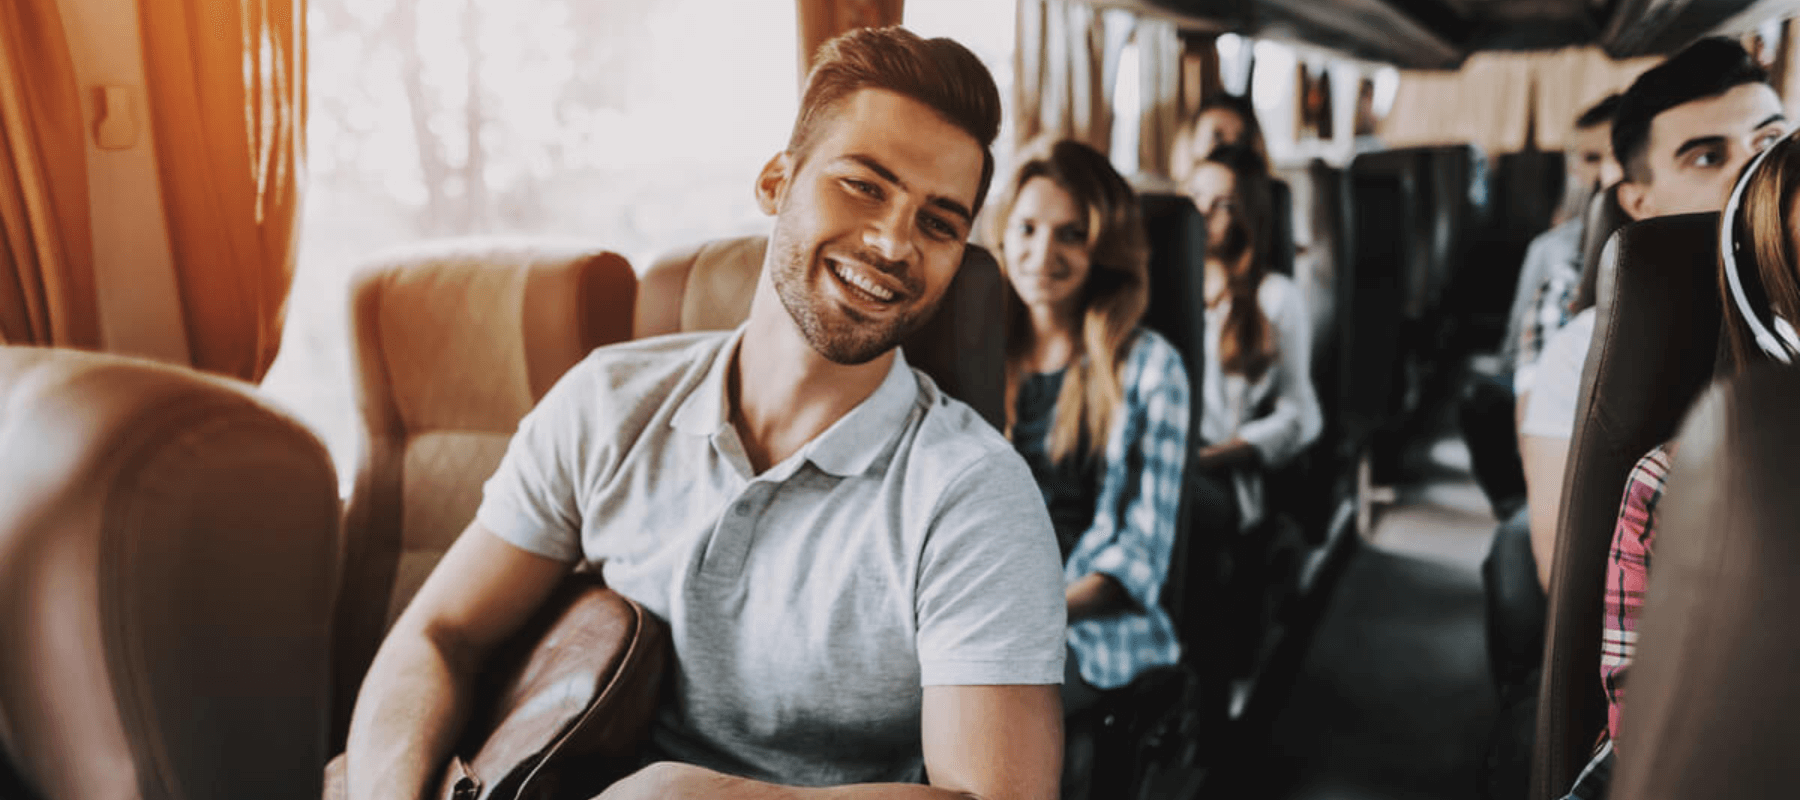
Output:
[[1707, 68], [1599, 113], [937, 72]]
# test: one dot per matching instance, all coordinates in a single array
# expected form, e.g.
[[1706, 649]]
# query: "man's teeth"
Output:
[[862, 283]]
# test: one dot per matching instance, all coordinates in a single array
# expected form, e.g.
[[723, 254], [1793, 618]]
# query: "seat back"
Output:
[[1377, 250], [1713, 698], [1177, 234], [168, 548], [454, 343], [1653, 350], [1281, 228], [1604, 218], [962, 347]]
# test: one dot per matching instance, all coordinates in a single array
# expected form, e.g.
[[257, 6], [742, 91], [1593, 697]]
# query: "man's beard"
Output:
[[845, 337]]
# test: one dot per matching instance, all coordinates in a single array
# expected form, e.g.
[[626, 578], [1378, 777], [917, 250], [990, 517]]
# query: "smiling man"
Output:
[[859, 576]]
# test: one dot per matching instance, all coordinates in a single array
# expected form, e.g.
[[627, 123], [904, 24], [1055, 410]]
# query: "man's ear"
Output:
[[1634, 198], [771, 183]]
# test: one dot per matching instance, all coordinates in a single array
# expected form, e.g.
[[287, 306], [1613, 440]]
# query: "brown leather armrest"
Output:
[[564, 705]]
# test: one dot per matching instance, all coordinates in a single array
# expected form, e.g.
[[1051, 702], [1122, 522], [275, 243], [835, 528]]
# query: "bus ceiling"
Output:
[[1440, 34]]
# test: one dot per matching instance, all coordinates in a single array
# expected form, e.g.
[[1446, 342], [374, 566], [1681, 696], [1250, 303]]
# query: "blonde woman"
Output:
[[1096, 405]]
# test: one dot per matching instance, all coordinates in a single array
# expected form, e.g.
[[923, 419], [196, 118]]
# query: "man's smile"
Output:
[[864, 282]]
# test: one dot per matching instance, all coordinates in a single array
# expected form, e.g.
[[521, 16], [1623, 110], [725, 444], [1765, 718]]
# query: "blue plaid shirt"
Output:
[[1133, 530]]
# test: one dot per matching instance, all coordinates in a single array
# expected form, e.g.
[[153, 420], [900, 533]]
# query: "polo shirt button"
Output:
[[742, 509]]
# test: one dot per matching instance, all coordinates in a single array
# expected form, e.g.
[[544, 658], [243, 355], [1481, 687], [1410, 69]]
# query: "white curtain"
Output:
[[1065, 62], [1159, 87]]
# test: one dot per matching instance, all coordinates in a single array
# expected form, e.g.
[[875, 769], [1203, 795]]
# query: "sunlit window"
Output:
[[989, 29], [636, 126], [1127, 108]]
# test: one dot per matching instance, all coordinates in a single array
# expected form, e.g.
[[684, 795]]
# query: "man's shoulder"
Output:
[[951, 432], [658, 357], [629, 378], [1557, 243]]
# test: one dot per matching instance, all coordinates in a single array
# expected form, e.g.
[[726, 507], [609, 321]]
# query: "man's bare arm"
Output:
[[1545, 459], [981, 742], [413, 702]]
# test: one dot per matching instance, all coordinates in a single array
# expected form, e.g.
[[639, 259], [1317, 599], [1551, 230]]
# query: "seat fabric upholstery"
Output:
[[1654, 345], [454, 343], [1712, 707], [168, 548]]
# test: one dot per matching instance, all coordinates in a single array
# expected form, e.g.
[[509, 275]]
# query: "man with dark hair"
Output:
[[859, 576], [1682, 133]]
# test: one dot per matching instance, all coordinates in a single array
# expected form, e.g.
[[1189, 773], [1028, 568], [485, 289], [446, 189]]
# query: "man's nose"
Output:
[[891, 234]]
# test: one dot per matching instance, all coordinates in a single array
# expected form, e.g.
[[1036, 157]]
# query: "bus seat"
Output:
[[453, 343], [1604, 218], [1281, 227], [1177, 310], [1654, 345], [168, 547], [1713, 700], [709, 287], [1527, 186], [1371, 285]]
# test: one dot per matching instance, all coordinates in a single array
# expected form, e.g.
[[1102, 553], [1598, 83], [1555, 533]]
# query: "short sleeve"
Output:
[[990, 594], [530, 502], [1550, 412]]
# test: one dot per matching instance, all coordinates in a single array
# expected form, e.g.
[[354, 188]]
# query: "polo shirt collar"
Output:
[[849, 447]]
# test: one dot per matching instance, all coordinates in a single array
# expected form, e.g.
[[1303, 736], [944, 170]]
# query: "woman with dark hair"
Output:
[[1259, 409], [1222, 120], [1097, 406], [1759, 285]]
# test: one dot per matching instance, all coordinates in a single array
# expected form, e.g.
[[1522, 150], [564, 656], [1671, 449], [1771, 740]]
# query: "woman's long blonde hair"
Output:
[[1113, 301], [1768, 264]]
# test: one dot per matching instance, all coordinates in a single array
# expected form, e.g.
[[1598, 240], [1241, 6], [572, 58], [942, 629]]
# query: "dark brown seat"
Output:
[[1653, 351], [708, 287], [168, 547], [1604, 218], [454, 343], [1713, 699]]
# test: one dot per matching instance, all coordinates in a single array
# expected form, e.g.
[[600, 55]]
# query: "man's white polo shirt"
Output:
[[905, 546]]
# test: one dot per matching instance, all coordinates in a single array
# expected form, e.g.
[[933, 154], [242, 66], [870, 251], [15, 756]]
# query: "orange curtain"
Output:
[[227, 84], [820, 20], [47, 292]]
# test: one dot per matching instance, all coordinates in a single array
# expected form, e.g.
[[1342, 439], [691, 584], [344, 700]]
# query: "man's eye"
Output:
[[1767, 140], [863, 187], [1708, 158], [937, 227], [1027, 228]]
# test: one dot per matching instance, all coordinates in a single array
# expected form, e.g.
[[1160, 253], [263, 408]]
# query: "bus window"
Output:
[[635, 126]]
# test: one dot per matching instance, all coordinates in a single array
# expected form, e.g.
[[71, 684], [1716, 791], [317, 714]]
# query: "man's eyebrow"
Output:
[[1697, 143], [1776, 118], [888, 175]]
